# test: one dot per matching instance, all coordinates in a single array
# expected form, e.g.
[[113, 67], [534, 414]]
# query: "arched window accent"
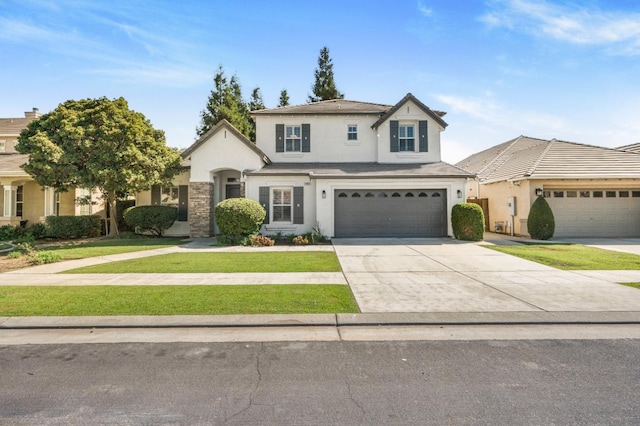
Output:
[[382, 194], [369, 194], [423, 194], [435, 194], [355, 195], [342, 195], [409, 194], [396, 194]]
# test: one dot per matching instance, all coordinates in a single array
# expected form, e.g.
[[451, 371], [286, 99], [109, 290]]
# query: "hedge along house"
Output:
[[23, 201], [592, 191], [353, 169]]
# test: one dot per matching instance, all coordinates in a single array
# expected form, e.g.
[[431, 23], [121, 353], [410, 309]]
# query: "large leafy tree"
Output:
[[98, 143], [225, 102], [324, 87]]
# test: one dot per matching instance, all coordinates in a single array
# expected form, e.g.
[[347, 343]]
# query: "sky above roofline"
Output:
[[499, 68]]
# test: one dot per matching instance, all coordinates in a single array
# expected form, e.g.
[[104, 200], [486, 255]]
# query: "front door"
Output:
[[232, 191]]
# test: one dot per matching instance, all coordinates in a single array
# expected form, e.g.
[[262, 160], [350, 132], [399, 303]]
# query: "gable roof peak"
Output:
[[435, 115]]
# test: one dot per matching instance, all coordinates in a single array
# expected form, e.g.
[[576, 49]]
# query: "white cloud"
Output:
[[617, 30], [424, 10]]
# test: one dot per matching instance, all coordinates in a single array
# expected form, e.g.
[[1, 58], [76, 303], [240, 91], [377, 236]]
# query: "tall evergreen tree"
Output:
[[255, 103], [225, 102], [284, 98], [324, 87]]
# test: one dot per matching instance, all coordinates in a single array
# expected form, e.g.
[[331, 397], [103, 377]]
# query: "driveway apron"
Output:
[[444, 275]]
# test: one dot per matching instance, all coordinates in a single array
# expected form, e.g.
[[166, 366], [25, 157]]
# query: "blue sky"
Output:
[[500, 68]]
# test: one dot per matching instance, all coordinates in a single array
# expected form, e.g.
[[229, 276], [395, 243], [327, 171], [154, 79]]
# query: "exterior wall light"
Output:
[[538, 192], [459, 193], [324, 194]]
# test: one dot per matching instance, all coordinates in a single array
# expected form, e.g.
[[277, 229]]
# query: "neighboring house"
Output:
[[353, 169], [23, 201], [593, 191]]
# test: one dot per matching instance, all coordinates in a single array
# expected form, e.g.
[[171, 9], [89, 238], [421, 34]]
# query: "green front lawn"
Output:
[[572, 256], [176, 300], [111, 246], [277, 261], [634, 285]]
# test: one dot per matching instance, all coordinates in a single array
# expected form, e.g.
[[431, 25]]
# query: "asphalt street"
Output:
[[321, 383]]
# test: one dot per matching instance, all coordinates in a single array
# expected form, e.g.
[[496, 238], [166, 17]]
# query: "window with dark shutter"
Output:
[[423, 136], [279, 137], [263, 199], [393, 136]]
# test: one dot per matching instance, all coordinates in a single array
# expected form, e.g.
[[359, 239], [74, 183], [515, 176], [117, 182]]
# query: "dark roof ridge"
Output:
[[326, 101], [409, 97]]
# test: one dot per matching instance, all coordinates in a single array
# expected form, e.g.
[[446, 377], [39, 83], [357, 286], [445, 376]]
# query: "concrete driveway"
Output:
[[444, 275]]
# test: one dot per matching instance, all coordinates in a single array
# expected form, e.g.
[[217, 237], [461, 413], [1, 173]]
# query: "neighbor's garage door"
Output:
[[390, 213], [595, 213]]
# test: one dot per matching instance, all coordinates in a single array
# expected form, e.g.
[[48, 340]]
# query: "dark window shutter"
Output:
[[155, 195], [298, 205], [393, 136], [279, 137], [183, 203], [306, 137], [263, 199], [423, 135]]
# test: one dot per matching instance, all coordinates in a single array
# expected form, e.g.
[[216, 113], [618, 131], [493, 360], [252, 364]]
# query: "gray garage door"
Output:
[[595, 213], [391, 213]]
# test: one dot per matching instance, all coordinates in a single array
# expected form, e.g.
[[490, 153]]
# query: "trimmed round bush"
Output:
[[154, 219], [541, 224], [239, 217], [467, 220]]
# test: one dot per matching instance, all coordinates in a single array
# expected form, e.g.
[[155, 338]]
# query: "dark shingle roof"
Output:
[[531, 158], [362, 170]]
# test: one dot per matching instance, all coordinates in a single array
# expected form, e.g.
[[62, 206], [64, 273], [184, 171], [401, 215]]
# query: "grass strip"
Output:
[[210, 262], [634, 285], [572, 256], [111, 246], [176, 300]]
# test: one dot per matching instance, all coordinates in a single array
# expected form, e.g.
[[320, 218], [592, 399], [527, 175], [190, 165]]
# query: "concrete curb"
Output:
[[322, 320]]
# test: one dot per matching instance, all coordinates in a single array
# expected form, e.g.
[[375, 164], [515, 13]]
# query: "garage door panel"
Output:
[[613, 216], [390, 216]]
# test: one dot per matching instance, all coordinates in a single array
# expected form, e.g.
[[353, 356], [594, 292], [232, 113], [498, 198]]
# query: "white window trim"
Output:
[[349, 133], [293, 138], [273, 204], [406, 138]]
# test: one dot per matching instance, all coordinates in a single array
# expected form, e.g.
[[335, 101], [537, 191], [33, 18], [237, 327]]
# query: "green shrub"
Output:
[[14, 254], [69, 227], [154, 219], [541, 223], [239, 217], [38, 231], [43, 257], [467, 220], [10, 232], [121, 207]]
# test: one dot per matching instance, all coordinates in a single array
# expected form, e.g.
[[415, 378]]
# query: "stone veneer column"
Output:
[[201, 209]]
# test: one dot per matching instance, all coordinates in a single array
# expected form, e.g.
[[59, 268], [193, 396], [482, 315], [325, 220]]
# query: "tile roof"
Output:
[[333, 106], [531, 158], [343, 106], [10, 164], [362, 170], [634, 147], [13, 126]]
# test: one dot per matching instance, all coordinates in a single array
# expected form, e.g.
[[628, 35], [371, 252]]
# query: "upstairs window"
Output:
[[352, 132], [406, 137], [292, 139]]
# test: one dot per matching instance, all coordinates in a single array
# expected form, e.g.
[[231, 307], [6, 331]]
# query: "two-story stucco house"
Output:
[[353, 169], [23, 201]]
